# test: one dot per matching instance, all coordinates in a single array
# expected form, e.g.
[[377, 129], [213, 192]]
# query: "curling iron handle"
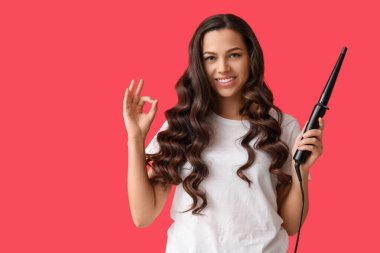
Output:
[[319, 111]]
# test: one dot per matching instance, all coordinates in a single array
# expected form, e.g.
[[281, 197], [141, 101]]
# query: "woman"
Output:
[[225, 146]]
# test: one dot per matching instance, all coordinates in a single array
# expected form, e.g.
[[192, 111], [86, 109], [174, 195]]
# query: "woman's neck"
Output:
[[229, 110]]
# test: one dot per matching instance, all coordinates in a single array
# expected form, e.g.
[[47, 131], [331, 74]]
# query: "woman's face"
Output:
[[226, 63]]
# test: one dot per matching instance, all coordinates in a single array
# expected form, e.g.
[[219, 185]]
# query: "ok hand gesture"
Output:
[[136, 122]]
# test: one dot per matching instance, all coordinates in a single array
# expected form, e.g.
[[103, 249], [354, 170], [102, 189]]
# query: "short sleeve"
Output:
[[290, 131], [153, 146]]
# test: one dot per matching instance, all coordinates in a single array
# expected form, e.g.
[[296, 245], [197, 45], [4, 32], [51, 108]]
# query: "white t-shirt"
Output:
[[237, 218]]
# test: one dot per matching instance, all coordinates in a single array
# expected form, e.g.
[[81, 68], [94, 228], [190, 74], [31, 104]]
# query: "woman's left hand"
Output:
[[312, 141]]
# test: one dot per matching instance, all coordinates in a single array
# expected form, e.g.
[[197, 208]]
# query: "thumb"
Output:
[[303, 129], [299, 137]]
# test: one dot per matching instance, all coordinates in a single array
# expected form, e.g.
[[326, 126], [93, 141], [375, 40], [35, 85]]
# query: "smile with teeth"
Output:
[[225, 81]]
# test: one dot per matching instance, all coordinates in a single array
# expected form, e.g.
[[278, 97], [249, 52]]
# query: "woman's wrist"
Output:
[[136, 138], [303, 170]]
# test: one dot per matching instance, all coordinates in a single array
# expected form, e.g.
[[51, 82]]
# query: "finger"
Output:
[[313, 133], [153, 109], [142, 101], [303, 129], [126, 100], [131, 86], [310, 141], [311, 148], [138, 91], [321, 123], [301, 133]]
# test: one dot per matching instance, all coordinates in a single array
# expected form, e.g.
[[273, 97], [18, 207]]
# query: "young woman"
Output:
[[226, 147]]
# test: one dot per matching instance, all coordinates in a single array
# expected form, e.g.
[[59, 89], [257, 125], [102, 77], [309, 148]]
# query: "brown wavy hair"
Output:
[[188, 133]]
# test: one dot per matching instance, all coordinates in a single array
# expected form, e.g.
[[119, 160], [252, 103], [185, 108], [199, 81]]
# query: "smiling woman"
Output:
[[225, 146]]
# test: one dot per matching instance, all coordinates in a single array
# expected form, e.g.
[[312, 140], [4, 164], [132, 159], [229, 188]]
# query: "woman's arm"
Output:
[[145, 201], [290, 197], [140, 191], [291, 202]]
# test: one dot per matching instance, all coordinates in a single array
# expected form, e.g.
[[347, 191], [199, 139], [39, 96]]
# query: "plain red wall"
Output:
[[64, 68]]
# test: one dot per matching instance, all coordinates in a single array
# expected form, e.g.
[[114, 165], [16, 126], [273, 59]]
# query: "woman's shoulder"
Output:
[[288, 121]]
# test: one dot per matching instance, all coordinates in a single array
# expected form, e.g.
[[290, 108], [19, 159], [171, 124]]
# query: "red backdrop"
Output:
[[64, 69]]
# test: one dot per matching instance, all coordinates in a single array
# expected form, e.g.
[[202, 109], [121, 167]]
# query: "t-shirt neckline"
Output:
[[221, 119]]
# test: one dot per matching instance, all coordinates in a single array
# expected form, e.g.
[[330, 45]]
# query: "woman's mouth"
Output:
[[225, 81]]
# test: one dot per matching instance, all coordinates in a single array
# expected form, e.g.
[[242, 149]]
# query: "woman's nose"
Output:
[[223, 66]]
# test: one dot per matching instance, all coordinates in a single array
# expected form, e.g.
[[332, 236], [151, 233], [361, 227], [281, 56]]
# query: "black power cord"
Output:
[[297, 165]]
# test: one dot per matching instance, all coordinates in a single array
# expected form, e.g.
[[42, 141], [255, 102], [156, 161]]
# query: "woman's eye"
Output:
[[210, 58], [235, 55]]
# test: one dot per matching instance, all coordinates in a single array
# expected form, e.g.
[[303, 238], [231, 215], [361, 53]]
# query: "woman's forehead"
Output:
[[222, 41]]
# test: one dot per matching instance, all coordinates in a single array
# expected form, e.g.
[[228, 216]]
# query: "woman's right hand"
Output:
[[136, 122]]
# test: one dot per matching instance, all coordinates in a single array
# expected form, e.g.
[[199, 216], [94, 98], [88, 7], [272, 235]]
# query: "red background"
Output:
[[64, 68]]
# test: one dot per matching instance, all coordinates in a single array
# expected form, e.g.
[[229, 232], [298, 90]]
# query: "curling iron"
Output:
[[319, 111]]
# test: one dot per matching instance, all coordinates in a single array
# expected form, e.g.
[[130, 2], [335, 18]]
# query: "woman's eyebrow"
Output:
[[229, 50]]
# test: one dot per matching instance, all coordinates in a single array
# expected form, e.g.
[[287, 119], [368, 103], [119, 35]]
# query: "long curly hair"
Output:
[[188, 133]]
